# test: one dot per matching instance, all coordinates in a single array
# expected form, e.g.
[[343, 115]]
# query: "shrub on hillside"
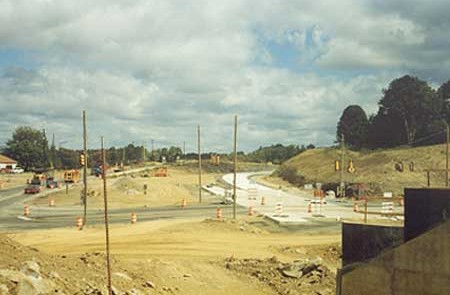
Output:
[[291, 175]]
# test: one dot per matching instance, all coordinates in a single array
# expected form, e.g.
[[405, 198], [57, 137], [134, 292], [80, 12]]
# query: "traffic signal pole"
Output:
[[342, 184]]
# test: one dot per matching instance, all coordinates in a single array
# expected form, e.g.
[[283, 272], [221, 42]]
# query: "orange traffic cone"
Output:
[[355, 207], [79, 223], [26, 210], [133, 218], [183, 203], [219, 213], [309, 208], [51, 202], [250, 211]]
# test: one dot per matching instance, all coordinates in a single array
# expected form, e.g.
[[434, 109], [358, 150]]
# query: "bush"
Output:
[[291, 175]]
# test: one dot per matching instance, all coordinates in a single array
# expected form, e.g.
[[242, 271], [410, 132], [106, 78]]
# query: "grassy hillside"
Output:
[[372, 167]]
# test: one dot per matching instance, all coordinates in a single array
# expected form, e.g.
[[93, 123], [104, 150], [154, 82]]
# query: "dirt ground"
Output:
[[128, 191], [13, 180], [194, 257], [183, 256]]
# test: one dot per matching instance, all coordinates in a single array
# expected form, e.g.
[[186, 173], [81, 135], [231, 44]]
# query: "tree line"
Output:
[[410, 112], [31, 149]]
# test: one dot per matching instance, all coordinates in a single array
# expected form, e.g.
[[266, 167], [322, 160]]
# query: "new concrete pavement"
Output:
[[294, 207]]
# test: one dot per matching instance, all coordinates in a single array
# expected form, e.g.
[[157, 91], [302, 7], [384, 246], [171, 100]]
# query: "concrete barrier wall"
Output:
[[420, 266], [361, 242]]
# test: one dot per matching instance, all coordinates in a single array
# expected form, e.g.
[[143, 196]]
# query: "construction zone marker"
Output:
[[309, 207], [79, 223], [133, 218], [51, 202], [26, 210], [219, 213], [355, 207], [279, 209], [250, 211], [183, 203]]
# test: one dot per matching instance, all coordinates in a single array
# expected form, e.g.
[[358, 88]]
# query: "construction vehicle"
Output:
[[38, 179], [215, 160], [71, 176], [161, 172]]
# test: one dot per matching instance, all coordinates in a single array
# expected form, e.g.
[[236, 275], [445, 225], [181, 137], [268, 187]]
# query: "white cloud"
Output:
[[156, 69]]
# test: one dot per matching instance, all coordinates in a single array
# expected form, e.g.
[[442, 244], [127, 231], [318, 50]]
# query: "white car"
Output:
[[17, 170]]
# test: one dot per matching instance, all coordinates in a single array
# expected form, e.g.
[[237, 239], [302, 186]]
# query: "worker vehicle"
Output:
[[51, 182], [17, 170]]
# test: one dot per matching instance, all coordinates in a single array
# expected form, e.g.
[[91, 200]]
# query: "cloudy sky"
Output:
[[155, 69]]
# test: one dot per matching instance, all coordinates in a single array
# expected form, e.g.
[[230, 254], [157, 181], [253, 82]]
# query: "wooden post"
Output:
[[235, 168], [199, 167], [105, 198], [85, 169], [365, 210], [446, 155]]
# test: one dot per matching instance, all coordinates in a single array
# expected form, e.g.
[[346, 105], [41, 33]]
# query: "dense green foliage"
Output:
[[410, 113], [29, 147], [354, 126], [275, 153]]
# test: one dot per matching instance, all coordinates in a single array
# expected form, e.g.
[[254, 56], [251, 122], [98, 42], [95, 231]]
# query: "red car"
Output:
[[32, 189]]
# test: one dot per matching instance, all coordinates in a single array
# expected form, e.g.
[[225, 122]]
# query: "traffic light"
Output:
[[351, 168], [82, 160]]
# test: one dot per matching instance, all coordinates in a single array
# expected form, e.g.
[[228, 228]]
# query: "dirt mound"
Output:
[[127, 184], [308, 276], [25, 270], [378, 168]]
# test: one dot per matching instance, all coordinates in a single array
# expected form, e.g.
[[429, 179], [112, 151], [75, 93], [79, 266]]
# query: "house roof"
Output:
[[5, 160]]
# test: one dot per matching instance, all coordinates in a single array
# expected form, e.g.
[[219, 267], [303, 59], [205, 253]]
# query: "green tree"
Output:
[[68, 159], [414, 102], [29, 147], [443, 95], [354, 125]]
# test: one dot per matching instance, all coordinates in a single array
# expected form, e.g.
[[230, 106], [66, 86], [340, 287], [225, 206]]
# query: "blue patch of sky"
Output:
[[13, 57], [300, 57]]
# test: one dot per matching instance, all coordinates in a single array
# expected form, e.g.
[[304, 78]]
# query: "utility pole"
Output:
[[105, 198], [446, 154], [143, 152], [184, 149], [123, 157], [85, 168], [235, 167], [52, 155], [342, 184], [153, 150], [199, 167]]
